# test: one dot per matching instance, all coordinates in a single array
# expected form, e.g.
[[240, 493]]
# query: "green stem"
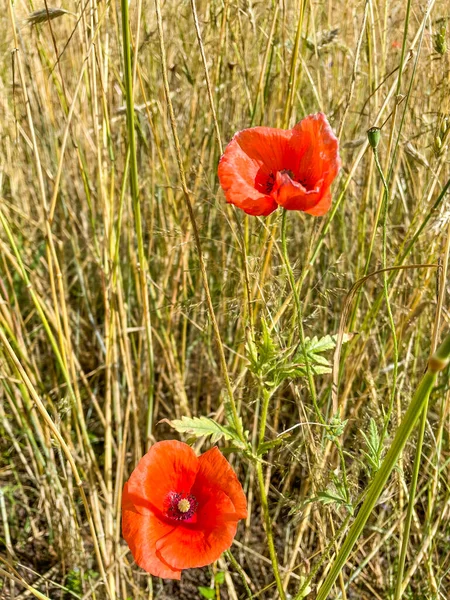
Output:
[[137, 208], [240, 571], [268, 527], [298, 306], [292, 74], [437, 363], [412, 496], [266, 394], [386, 297]]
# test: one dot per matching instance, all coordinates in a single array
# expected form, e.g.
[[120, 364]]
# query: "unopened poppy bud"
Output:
[[374, 134]]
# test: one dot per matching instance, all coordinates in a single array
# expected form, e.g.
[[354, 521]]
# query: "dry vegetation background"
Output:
[[78, 342]]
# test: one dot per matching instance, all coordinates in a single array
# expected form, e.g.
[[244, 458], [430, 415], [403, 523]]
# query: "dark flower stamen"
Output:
[[270, 183], [181, 506]]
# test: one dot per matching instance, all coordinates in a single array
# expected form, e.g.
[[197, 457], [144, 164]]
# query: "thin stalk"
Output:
[[411, 499], [207, 79], [128, 83], [293, 71], [386, 296], [436, 363], [240, 572], [298, 306], [223, 363], [309, 373], [266, 394], [268, 527]]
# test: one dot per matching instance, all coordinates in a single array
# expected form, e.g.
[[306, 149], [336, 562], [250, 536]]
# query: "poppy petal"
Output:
[[293, 195], [189, 546], [322, 207], [217, 472], [317, 150], [141, 533], [266, 146], [237, 175], [169, 466]]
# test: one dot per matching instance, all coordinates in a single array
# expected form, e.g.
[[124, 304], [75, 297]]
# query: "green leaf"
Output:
[[373, 449], [207, 592], [219, 577], [316, 346], [204, 427], [336, 493], [266, 446], [201, 426], [263, 353]]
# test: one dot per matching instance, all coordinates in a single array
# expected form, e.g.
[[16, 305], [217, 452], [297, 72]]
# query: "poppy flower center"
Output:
[[181, 506], [270, 181], [288, 172], [184, 505]]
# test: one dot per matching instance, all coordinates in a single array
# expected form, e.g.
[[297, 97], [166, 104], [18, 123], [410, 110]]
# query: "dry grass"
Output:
[[81, 358]]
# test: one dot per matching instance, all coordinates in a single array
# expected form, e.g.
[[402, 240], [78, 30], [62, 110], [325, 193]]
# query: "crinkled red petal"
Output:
[[293, 195], [142, 532], [237, 175], [317, 150], [189, 546], [215, 471], [169, 466]]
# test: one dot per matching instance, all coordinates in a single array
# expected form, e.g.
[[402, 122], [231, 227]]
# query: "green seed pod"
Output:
[[374, 135]]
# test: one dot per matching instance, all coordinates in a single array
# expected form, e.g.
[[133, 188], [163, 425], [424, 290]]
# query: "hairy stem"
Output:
[[268, 527]]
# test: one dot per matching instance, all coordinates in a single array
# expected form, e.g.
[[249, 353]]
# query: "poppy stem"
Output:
[[298, 306], [387, 417], [268, 528], [240, 572]]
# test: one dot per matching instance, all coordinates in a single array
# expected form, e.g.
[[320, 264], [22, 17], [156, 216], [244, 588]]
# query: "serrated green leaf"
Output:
[[321, 370], [372, 452], [332, 497], [204, 427], [321, 360], [316, 345], [267, 349], [327, 497]]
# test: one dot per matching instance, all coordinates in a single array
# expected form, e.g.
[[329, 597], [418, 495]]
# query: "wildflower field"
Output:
[[224, 309]]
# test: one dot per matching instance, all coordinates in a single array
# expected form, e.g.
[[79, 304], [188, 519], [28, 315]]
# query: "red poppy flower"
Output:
[[263, 167], [180, 511]]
